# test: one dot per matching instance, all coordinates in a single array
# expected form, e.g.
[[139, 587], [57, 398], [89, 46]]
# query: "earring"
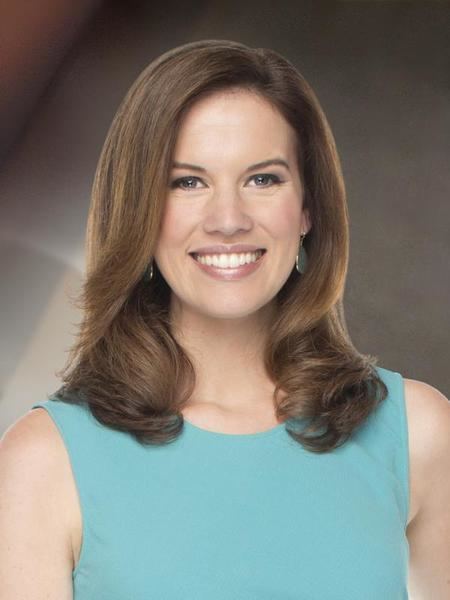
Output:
[[149, 272], [301, 260]]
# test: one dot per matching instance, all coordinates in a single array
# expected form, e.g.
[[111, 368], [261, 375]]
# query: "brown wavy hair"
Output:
[[125, 363]]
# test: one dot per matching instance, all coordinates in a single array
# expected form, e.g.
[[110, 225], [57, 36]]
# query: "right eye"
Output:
[[185, 183]]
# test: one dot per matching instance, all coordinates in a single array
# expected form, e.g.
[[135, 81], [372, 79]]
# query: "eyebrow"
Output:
[[260, 165]]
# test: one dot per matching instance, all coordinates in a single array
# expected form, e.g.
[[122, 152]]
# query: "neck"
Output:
[[227, 355]]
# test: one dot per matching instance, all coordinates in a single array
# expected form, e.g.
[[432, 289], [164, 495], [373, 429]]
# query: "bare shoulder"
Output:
[[428, 531], [35, 428], [428, 414], [32, 450], [428, 420], [33, 447], [35, 478]]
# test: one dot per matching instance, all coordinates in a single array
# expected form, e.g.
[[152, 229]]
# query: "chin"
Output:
[[231, 312]]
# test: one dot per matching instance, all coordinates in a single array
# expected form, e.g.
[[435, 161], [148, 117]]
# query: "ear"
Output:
[[305, 221]]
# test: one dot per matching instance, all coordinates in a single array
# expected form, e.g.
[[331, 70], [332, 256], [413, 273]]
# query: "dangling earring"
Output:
[[149, 272], [301, 260]]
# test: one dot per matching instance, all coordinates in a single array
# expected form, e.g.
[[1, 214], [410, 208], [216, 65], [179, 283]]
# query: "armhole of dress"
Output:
[[405, 459], [81, 503]]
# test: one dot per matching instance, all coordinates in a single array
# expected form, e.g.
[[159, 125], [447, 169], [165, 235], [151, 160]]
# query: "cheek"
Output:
[[286, 221], [175, 227]]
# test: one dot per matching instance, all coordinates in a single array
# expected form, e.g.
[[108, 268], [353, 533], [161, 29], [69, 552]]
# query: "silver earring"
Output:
[[149, 272], [301, 260]]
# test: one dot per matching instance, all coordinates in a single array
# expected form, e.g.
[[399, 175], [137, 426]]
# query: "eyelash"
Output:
[[176, 183]]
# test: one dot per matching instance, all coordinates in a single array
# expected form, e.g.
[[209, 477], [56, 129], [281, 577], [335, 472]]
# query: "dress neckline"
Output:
[[272, 431]]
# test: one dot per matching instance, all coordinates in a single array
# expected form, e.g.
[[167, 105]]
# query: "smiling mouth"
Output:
[[225, 261]]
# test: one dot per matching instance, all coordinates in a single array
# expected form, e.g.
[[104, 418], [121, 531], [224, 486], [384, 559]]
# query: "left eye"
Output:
[[266, 176]]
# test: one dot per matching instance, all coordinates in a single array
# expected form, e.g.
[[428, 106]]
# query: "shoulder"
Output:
[[30, 459], [33, 458], [35, 480], [428, 414], [33, 440], [429, 530], [428, 420]]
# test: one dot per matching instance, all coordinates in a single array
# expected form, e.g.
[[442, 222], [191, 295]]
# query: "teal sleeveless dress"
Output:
[[216, 516]]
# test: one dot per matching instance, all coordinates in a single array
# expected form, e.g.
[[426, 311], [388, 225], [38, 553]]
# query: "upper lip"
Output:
[[226, 249]]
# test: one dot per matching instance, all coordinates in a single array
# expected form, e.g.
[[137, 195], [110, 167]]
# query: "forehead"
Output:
[[234, 119]]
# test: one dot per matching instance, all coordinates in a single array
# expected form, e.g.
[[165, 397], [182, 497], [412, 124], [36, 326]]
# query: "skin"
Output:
[[222, 326]]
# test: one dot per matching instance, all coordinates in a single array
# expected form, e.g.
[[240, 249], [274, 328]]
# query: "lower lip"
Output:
[[230, 274]]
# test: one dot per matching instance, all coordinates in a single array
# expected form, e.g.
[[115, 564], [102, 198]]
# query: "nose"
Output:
[[226, 213]]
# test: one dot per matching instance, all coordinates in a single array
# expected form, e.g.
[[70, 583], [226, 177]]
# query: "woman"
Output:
[[217, 435]]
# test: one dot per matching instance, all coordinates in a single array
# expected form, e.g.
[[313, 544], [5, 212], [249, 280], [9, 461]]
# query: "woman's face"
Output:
[[218, 198]]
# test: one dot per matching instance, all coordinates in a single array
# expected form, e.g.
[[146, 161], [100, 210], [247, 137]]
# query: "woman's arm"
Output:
[[36, 557], [429, 531]]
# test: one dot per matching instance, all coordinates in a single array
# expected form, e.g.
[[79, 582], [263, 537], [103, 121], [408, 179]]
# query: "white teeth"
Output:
[[226, 261]]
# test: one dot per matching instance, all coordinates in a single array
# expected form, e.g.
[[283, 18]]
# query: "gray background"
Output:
[[381, 72]]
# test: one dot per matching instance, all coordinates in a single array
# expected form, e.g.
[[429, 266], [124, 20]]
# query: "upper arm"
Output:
[[35, 545], [429, 531]]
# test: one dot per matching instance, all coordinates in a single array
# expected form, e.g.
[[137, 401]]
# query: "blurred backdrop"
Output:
[[381, 72]]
